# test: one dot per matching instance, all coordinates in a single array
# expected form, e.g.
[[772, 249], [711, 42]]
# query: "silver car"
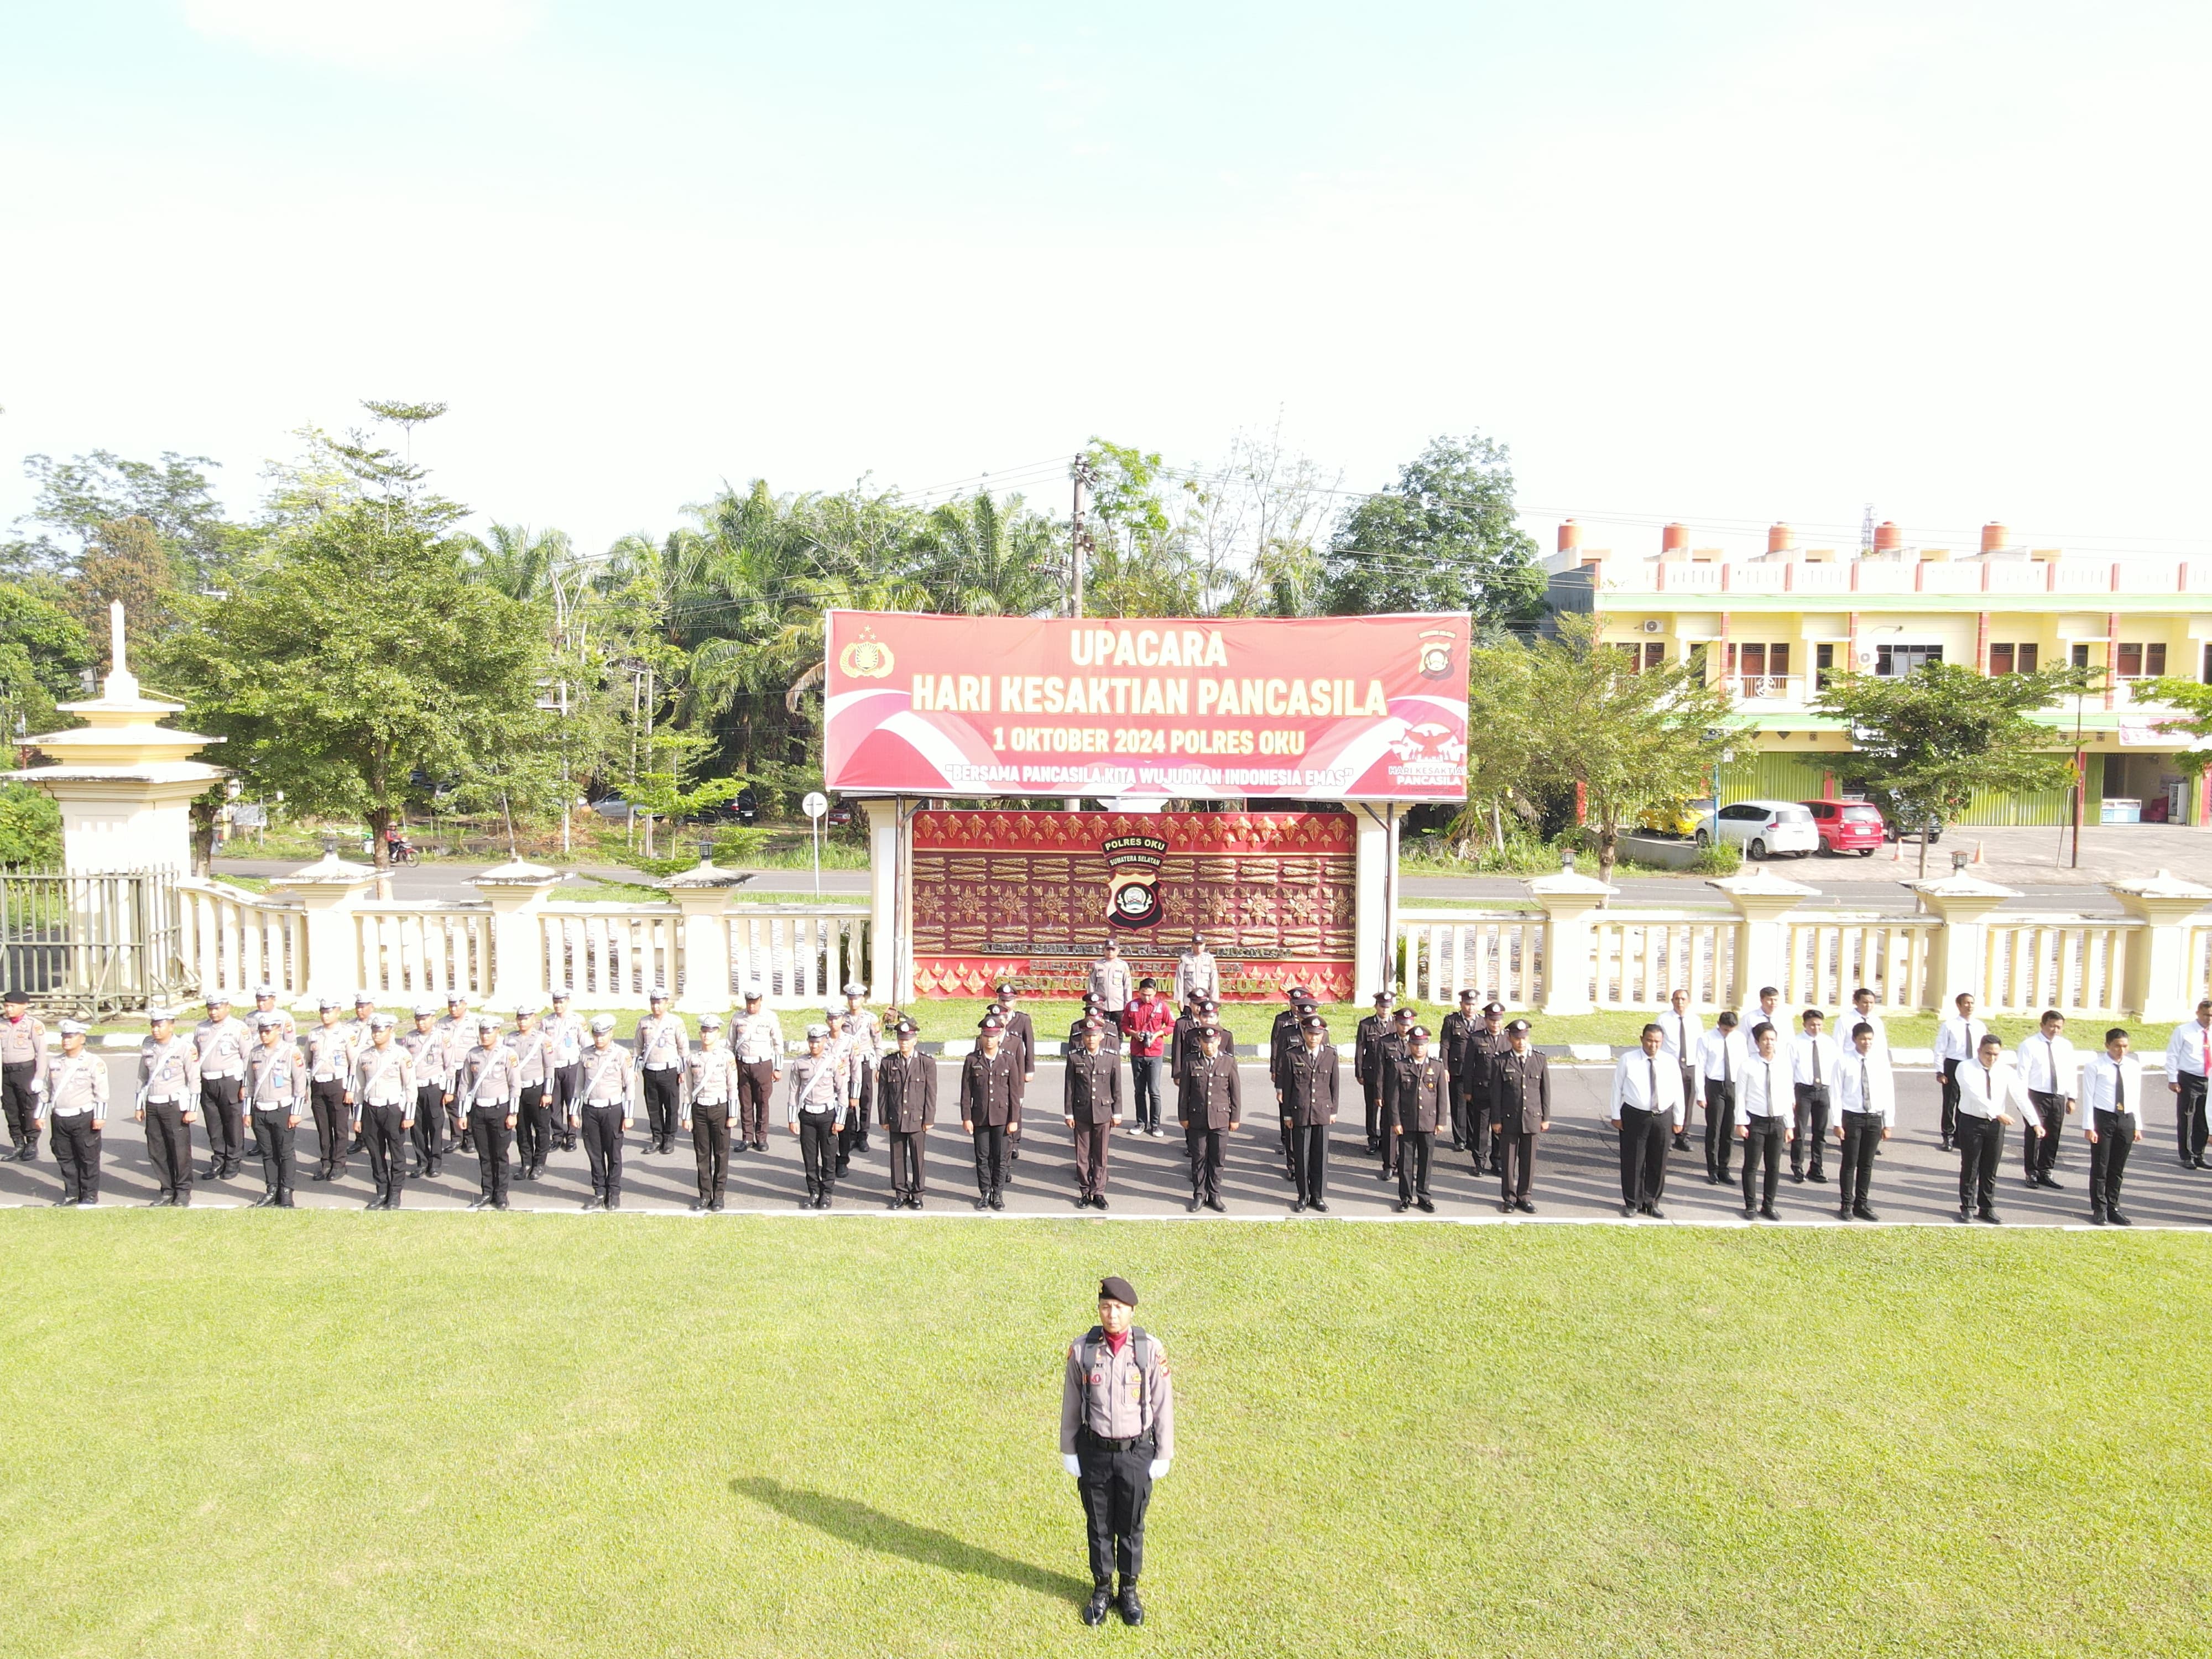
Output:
[[1763, 828]]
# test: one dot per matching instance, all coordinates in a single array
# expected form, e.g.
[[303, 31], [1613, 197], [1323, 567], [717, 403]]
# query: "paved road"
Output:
[[454, 881], [1577, 1175]]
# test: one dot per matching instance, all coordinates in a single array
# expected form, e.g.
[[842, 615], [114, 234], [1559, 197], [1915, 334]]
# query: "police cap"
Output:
[[601, 1022], [1115, 1288], [1517, 1025]]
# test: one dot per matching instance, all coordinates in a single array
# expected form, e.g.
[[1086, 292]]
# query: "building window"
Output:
[[2081, 656], [1642, 655], [2014, 659], [1898, 661], [1824, 664], [1759, 671], [2135, 660], [2208, 664]]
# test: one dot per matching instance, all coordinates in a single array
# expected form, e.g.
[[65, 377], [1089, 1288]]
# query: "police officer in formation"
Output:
[[276, 1092], [431, 1059], [990, 1108], [221, 1041], [710, 1099], [567, 1035], [169, 1091], [488, 1092], [384, 1106], [22, 1072], [1305, 1095], [863, 1033], [329, 1049], [607, 1101], [535, 1062], [1477, 1069], [661, 1043], [455, 1035], [1390, 1051], [1422, 1096], [905, 1096], [820, 1098], [76, 1110], [1521, 1102], [1213, 1106], [1091, 1101], [758, 1041], [1454, 1035], [1367, 1067]]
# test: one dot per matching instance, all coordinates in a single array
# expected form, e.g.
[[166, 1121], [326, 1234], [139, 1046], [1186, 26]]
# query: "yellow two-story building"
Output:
[[1773, 627]]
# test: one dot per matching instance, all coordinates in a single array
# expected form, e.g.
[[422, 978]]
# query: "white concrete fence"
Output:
[[318, 934]]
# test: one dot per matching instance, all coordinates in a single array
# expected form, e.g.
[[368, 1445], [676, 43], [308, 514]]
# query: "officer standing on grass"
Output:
[[1116, 1437]]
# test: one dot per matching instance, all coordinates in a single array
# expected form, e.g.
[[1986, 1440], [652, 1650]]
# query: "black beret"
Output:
[[1115, 1288]]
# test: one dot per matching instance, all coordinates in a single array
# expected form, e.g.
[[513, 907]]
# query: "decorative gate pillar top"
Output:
[[123, 779]]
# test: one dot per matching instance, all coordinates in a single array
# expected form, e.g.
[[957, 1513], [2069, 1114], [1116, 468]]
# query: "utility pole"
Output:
[[1866, 530], [1079, 540]]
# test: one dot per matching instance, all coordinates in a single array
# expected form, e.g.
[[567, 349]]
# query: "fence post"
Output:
[[702, 893], [1568, 900], [1763, 902], [517, 893], [329, 890], [2158, 985], [1963, 903]]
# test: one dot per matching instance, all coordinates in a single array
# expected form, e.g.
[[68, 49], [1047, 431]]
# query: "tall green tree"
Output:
[[1443, 538], [356, 655], [77, 497], [43, 651], [1572, 716], [978, 557], [1924, 743]]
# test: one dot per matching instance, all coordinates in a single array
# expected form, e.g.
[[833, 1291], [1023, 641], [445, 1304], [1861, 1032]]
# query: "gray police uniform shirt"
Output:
[[711, 1079], [662, 1042], [487, 1079], [168, 1072], [221, 1045], [819, 1084], [77, 1084], [429, 1051], [1115, 1398], [384, 1077], [610, 1079], [276, 1077], [330, 1051], [534, 1057]]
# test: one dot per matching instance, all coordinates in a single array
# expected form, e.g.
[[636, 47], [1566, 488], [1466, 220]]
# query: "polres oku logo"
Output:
[[1133, 880], [1434, 659]]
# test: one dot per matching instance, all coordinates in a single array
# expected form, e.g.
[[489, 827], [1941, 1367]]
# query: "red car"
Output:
[[1847, 826]]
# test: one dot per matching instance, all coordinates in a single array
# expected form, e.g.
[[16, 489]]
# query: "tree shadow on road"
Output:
[[853, 1522]]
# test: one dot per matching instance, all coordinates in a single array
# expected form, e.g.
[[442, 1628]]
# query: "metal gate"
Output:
[[93, 945]]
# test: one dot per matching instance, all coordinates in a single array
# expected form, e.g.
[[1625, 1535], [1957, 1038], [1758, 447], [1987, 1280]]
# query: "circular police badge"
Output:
[[1434, 659]]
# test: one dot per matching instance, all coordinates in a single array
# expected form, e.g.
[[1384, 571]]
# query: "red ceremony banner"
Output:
[[1322, 709], [1034, 897]]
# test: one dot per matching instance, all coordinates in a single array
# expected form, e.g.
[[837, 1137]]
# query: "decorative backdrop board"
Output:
[[1033, 896]]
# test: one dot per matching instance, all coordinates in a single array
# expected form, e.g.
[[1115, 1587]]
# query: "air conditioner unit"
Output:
[[1866, 658], [1652, 625]]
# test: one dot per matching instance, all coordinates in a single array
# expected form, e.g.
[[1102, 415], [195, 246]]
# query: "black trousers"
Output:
[[1386, 1126], [387, 1143], [1145, 1087], [1309, 1161], [1462, 1130], [854, 1137], [1810, 1113], [1644, 1138], [76, 1149], [1372, 1092], [817, 1151], [2189, 1114], [1516, 1161], [906, 1162], [1720, 1127], [1861, 1137], [1689, 1076], [1416, 1150], [565, 1096], [1763, 1151], [20, 1105], [1950, 1099], [429, 1124], [458, 1137], [222, 1120], [990, 1159], [534, 1127], [1091, 1146], [169, 1146], [2108, 1159], [602, 1129], [275, 1140], [1212, 1152], [2039, 1153], [710, 1147], [1116, 1488], [1981, 1145], [333, 1124], [755, 1083], [492, 1135], [662, 1100]]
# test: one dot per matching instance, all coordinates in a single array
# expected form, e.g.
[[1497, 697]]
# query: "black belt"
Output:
[[1100, 1443], [19, 1066]]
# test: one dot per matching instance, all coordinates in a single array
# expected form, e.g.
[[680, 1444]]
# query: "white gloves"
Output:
[[1159, 1466], [1071, 1462]]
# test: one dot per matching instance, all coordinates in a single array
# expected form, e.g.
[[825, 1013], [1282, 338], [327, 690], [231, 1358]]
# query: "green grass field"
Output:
[[319, 1433]]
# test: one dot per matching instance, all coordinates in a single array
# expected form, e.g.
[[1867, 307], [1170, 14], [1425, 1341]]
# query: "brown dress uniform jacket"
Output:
[[1090, 1088], [990, 1089], [1110, 1039], [1217, 1099], [1423, 1092], [1478, 1063], [1521, 1090], [906, 1091], [1309, 1082], [1453, 1036]]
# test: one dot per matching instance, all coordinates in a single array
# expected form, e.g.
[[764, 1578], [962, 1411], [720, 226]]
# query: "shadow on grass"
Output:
[[856, 1523]]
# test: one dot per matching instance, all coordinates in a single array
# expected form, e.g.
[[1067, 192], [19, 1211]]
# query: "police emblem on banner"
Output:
[[866, 658], [1133, 880], [1434, 657]]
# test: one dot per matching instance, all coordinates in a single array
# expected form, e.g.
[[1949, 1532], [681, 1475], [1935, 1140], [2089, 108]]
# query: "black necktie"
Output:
[[1816, 1061], [1866, 1090], [2119, 1089], [1653, 1065]]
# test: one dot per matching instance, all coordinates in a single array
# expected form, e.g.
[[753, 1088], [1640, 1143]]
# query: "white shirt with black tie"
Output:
[[2111, 1086], [1992, 1092], [1765, 1091], [1813, 1059], [1650, 1082], [1864, 1083], [2047, 1065]]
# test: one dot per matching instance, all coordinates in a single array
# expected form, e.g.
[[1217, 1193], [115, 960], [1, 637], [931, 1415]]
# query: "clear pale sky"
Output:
[[1724, 262]]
